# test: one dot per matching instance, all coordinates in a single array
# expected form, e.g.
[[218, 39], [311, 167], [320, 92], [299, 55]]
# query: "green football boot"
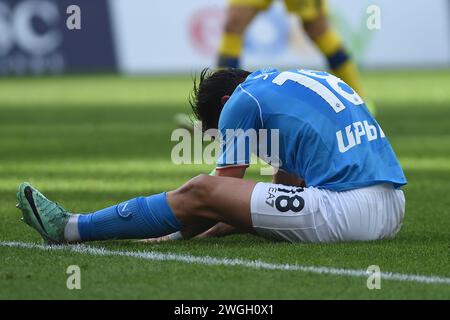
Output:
[[43, 215]]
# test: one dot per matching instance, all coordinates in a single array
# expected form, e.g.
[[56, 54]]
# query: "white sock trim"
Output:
[[71, 233], [176, 236]]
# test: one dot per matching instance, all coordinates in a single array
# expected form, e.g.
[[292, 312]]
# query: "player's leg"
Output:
[[338, 58], [239, 15], [202, 199], [215, 199], [315, 23], [226, 201]]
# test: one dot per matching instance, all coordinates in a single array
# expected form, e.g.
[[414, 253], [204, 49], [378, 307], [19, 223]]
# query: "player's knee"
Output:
[[201, 184], [238, 19], [316, 27], [197, 190], [234, 24]]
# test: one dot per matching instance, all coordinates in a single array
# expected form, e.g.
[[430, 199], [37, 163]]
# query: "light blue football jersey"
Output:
[[326, 135]]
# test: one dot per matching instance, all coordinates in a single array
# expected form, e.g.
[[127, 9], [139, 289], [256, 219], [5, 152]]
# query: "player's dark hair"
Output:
[[208, 91]]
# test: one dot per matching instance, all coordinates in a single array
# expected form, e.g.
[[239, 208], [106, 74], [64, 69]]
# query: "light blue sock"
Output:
[[139, 218]]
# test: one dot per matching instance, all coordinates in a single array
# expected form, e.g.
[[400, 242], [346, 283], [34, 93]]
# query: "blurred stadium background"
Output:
[[158, 37]]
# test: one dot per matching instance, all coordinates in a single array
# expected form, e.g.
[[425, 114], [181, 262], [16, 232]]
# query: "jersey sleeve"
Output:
[[238, 127]]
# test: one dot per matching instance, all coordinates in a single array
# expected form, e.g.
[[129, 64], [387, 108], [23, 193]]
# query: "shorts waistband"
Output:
[[379, 187]]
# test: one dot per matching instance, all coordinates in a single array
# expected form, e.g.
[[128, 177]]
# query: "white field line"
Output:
[[206, 260]]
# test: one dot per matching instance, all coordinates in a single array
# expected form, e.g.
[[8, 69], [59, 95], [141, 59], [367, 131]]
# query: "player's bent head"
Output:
[[207, 97]]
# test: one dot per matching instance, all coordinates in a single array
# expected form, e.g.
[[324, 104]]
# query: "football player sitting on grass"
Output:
[[337, 177]]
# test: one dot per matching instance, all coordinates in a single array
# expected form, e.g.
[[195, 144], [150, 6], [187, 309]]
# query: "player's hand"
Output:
[[219, 230], [156, 240]]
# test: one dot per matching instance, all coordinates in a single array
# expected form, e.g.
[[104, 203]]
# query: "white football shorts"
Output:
[[310, 214]]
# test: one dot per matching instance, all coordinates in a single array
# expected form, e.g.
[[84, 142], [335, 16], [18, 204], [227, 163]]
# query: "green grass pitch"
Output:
[[90, 142]]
